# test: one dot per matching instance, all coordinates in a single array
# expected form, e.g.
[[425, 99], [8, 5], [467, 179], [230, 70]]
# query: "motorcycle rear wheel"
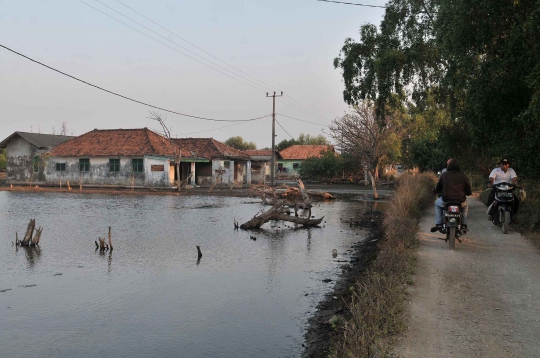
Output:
[[451, 237], [506, 222]]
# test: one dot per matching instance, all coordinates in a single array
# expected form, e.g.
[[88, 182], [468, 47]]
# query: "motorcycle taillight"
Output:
[[453, 209]]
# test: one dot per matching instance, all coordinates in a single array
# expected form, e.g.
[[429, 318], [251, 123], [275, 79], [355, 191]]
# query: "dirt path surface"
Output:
[[481, 300]]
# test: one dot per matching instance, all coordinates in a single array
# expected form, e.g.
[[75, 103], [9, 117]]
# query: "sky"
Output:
[[214, 59]]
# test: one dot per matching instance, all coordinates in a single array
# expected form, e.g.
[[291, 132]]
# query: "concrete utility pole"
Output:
[[273, 159]]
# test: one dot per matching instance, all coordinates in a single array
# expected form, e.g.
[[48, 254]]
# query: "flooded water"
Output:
[[250, 295]]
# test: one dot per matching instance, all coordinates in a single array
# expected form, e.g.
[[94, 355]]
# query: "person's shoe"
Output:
[[437, 227], [464, 229], [490, 217]]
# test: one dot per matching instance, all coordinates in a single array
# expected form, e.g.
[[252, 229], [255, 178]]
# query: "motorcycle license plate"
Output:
[[450, 215], [505, 195]]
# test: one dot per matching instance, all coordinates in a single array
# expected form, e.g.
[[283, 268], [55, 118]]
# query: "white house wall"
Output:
[[20, 160], [100, 174]]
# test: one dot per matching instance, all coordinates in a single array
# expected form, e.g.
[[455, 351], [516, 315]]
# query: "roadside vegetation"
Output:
[[378, 298]]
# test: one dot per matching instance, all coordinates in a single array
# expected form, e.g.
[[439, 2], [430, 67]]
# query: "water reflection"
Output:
[[32, 254]]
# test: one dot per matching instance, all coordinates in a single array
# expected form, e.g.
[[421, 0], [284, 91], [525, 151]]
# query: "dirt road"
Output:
[[481, 300]]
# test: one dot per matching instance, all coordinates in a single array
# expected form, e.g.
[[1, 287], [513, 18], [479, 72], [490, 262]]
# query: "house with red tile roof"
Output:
[[293, 156], [213, 162], [142, 157], [116, 157], [261, 164], [24, 162]]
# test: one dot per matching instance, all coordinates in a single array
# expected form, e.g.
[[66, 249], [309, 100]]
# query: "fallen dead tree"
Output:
[[29, 238], [276, 212]]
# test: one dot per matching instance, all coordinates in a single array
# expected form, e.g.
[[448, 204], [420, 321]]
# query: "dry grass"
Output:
[[377, 305]]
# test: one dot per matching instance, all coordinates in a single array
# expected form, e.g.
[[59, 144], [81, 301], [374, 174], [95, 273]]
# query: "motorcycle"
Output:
[[501, 208], [452, 227]]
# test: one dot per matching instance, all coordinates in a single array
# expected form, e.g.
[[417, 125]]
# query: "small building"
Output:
[[212, 162], [115, 157], [261, 164], [24, 161], [293, 156]]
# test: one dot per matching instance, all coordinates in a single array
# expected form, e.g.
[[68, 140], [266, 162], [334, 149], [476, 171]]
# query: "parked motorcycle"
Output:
[[501, 208], [452, 219]]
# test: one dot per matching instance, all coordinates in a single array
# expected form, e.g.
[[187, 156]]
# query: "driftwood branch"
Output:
[[276, 213]]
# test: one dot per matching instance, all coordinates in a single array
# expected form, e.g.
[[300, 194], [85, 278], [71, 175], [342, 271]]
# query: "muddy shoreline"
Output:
[[320, 331]]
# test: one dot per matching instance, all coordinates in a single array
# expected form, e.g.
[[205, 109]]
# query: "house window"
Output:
[[36, 164], [296, 165], [60, 167], [84, 164], [114, 165], [137, 165], [226, 164]]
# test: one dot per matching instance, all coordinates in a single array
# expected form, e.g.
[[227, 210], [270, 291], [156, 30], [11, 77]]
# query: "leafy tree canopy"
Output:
[[239, 143], [468, 71], [303, 139]]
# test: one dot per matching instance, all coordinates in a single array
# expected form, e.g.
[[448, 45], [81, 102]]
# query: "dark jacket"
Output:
[[454, 184]]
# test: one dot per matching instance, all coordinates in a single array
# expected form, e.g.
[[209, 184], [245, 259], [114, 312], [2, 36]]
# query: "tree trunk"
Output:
[[35, 240], [375, 195], [275, 213], [29, 233]]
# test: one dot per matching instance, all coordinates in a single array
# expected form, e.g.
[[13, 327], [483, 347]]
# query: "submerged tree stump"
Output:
[[29, 238]]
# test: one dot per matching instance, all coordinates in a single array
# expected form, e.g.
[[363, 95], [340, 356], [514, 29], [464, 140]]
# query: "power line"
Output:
[[131, 99], [301, 120], [352, 3], [172, 48], [284, 129], [298, 106], [210, 130], [192, 44]]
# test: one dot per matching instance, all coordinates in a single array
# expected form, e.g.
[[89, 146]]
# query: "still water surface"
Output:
[[150, 297]]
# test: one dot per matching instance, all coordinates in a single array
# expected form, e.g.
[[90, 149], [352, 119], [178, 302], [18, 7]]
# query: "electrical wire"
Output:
[[284, 129], [172, 48], [288, 101], [298, 105], [210, 130], [134, 100], [352, 3], [301, 120]]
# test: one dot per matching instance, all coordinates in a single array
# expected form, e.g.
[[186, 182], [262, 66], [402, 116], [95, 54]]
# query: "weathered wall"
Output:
[[288, 165], [260, 173], [20, 162], [100, 174]]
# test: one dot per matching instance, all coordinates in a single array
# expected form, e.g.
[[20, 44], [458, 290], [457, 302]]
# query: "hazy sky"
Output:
[[281, 45]]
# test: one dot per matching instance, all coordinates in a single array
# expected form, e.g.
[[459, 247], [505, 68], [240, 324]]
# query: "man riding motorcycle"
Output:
[[454, 186], [503, 174]]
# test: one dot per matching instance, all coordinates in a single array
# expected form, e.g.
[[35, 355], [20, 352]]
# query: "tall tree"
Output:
[[373, 141], [479, 60]]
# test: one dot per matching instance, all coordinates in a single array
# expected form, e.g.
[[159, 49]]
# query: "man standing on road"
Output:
[[503, 174], [454, 186]]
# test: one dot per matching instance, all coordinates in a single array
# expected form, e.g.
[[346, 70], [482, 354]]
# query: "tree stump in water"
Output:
[[28, 239]]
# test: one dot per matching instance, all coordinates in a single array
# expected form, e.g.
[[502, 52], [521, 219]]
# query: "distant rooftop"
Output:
[[41, 141]]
